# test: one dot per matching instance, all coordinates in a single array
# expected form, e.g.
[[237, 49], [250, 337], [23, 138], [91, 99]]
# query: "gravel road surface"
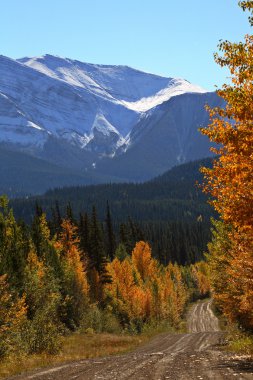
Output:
[[194, 355]]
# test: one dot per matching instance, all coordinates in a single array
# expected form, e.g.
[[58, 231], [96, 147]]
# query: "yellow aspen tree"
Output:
[[230, 181], [142, 260], [200, 274], [176, 293], [68, 246], [122, 286]]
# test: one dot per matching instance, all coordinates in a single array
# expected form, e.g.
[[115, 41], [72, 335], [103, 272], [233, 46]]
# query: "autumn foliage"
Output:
[[230, 183], [142, 290], [51, 284]]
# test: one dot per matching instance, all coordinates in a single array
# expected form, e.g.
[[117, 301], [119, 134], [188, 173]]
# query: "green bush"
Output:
[[92, 319], [11, 343], [43, 333], [111, 323], [100, 321]]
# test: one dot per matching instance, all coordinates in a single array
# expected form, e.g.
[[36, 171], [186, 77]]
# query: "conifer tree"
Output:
[[125, 238], [74, 284], [56, 220], [84, 234], [43, 244], [69, 213], [40, 234], [110, 238], [97, 253], [14, 246]]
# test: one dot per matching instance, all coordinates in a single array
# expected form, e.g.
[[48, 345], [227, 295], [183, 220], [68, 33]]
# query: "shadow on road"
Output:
[[242, 364]]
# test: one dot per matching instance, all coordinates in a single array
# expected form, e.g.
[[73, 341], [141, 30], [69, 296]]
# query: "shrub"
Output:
[[100, 320], [43, 332], [12, 319]]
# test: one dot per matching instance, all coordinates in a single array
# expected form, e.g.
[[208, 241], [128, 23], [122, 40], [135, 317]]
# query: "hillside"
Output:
[[23, 175], [170, 211]]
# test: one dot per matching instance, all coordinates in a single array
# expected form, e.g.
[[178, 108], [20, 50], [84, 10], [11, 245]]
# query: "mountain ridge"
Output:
[[103, 121], [95, 86]]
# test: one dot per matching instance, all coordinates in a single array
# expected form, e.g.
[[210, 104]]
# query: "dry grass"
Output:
[[75, 347]]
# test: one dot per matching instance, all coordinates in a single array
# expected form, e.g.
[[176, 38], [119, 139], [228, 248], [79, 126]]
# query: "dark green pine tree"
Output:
[[84, 234], [97, 254], [110, 236], [36, 231], [125, 237], [136, 233], [38, 209], [56, 220], [14, 247], [69, 214]]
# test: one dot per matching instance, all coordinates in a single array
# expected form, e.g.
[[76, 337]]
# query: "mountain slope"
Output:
[[22, 175], [172, 195], [167, 136], [111, 123], [63, 98], [136, 90]]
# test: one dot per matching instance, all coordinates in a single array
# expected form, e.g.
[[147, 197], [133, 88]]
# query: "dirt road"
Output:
[[194, 355]]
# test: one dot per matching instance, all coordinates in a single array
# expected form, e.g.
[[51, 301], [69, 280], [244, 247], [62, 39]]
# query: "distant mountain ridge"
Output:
[[112, 122]]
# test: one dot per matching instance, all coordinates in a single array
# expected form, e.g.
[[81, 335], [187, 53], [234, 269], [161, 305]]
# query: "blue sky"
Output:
[[167, 37]]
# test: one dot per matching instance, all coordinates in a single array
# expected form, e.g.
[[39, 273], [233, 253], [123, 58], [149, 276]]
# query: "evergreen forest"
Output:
[[169, 212]]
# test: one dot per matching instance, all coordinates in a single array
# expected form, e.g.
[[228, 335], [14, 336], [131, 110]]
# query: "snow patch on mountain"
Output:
[[102, 125], [33, 125], [176, 87], [104, 135]]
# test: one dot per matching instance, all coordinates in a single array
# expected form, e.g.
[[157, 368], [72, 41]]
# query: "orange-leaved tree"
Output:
[[230, 181], [141, 290]]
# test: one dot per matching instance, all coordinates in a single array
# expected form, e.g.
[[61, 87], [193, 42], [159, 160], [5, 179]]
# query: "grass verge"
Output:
[[76, 346], [239, 341]]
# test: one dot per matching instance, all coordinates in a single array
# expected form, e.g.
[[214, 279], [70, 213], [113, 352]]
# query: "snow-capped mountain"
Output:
[[114, 122], [93, 106]]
